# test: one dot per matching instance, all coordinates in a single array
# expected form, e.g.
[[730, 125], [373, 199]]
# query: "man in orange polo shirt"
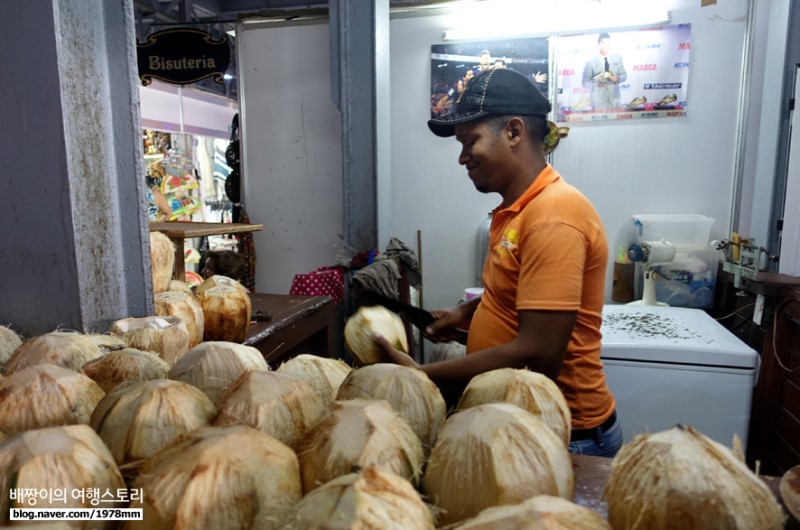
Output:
[[544, 276]]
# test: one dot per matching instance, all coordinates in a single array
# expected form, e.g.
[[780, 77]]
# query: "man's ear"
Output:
[[515, 129]]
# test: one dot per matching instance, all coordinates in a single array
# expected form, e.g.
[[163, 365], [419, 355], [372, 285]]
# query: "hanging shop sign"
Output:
[[182, 56]]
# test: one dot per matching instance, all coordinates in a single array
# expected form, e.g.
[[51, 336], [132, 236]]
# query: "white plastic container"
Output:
[[682, 230], [689, 280]]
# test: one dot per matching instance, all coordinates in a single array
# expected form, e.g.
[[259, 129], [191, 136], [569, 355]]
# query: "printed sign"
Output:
[[182, 56], [623, 75]]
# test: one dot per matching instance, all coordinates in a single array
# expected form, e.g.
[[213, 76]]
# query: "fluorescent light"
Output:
[[509, 19]]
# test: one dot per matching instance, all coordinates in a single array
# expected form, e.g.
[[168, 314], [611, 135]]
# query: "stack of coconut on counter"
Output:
[[216, 440]]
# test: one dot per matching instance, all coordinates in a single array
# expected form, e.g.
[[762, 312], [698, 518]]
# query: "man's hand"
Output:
[[396, 356], [445, 327]]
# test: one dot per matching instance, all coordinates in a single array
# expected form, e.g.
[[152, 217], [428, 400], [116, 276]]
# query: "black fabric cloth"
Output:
[[382, 274], [396, 249]]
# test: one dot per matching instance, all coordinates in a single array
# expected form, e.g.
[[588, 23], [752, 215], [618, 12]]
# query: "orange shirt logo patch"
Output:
[[509, 244]]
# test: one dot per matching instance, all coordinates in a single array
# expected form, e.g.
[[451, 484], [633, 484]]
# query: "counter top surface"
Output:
[[285, 310], [186, 229], [591, 474]]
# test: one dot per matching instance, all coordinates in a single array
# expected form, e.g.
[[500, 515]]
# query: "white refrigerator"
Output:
[[670, 365]]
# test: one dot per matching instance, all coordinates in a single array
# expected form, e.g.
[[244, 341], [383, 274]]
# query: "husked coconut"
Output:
[[360, 327], [46, 395], [543, 512], [532, 391], [409, 391], [218, 280], [325, 375], [68, 458], [137, 419], [9, 341], [185, 306], [359, 433], [369, 499], [218, 478], [125, 366], [162, 260], [226, 311], [167, 336], [279, 405], [67, 349], [495, 454], [177, 285], [107, 342], [679, 478], [213, 366]]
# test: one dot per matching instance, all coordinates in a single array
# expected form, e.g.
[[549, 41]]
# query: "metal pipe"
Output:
[[743, 119], [180, 106], [197, 23]]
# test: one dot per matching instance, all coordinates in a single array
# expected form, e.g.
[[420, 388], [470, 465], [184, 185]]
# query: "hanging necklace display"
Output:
[[233, 159]]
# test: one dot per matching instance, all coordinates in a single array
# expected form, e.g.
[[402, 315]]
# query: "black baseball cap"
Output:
[[498, 91]]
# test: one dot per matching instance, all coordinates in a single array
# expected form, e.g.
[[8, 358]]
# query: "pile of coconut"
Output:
[[213, 438]]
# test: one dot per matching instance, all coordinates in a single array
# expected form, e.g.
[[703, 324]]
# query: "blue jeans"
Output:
[[604, 443]]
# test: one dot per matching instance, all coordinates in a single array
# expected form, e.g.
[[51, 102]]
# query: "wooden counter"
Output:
[[299, 324], [591, 474], [177, 231]]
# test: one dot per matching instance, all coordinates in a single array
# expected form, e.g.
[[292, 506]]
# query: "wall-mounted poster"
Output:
[[623, 75], [454, 64]]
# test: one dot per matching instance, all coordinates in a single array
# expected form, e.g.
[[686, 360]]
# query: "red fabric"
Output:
[[323, 281]]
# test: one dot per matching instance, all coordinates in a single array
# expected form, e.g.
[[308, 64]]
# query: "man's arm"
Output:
[[588, 78], [540, 346], [620, 73]]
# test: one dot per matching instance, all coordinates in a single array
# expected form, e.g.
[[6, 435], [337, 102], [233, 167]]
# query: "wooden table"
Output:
[[177, 231], [299, 324], [591, 474]]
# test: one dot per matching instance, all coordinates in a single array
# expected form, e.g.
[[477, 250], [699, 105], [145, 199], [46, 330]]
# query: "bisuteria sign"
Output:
[[182, 56]]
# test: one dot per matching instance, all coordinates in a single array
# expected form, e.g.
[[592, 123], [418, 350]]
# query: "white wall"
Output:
[[292, 151], [680, 165]]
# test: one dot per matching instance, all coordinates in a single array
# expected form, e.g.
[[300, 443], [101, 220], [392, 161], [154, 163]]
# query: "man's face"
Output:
[[483, 153], [485, 61], [605, 46]]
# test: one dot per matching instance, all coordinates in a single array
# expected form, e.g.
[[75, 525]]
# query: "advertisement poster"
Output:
[[454, 64], [623, 75]]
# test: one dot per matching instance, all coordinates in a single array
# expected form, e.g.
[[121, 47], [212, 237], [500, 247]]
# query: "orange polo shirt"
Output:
[[548, 251]]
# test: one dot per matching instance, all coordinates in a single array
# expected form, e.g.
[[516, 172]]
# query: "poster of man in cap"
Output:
[[454, 64]]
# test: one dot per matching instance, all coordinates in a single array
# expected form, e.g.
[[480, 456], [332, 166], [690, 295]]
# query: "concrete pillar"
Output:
[[74, 247], [359, 33]]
